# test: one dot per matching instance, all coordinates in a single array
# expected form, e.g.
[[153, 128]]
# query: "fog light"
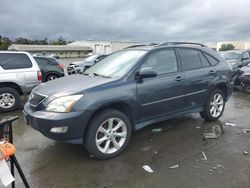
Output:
[[59, 130]]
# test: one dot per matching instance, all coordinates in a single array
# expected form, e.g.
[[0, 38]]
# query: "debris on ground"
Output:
[[147, 168], [155, 152], [174, 166], [156, 130], [204, 156], [245, 152], [230, 124], [246, 131], [197, 127], [217, 129], [146, 148], [217, 167], [150, 140], [210, 135]]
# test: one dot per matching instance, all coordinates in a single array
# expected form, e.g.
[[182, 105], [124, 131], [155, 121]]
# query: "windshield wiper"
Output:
[[95, 74]]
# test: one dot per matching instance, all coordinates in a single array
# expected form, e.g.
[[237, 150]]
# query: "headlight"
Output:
[[63, 104]]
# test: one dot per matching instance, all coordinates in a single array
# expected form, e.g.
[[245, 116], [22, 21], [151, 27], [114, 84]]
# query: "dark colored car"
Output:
[[237, 58], [80, 66], [50, 68], [127, 91]]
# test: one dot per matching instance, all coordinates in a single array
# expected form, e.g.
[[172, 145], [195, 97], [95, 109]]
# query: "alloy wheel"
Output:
[[216, 105], [111, 135]]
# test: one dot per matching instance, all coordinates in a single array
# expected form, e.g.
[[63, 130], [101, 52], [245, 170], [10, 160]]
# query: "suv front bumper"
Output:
[[44, 121]]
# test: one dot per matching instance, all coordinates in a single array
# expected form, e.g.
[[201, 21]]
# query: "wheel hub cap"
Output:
[[111, 135], [7, 100], [216, 105]]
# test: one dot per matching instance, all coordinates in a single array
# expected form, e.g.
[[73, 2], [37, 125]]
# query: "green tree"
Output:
[[4, 43], [225, 47], [59, 41]]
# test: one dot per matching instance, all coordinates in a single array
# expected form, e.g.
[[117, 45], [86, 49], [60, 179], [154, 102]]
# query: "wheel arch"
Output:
[[117, 105], [221, 86], [13, 86]]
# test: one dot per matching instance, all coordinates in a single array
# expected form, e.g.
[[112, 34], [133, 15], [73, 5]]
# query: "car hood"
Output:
[[70, 85]]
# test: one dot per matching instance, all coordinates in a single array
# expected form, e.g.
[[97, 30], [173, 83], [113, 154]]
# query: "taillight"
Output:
[[61, 65], [39, 75]]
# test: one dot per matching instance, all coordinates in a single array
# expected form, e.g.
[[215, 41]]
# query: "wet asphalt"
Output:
[[47, 163]]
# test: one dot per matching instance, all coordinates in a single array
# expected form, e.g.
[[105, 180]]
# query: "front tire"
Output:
[[9, 99], [214, 106], [108, 134]]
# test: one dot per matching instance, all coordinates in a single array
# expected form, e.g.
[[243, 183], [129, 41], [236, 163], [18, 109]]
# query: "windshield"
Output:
[[232, 55], [116, 64], [91, 58]]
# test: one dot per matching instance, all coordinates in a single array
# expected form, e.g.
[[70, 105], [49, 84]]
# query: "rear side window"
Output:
[[212, 60], [41, 61], [162, 62], [53, 62], [190, 59], [204, 61], [14, 61]]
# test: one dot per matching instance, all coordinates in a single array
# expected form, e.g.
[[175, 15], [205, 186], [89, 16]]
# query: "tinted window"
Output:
[[41, 61], [190, 59], [14, 61], [53, 62], [212, 60], [204, 61], [162, 62], [246, 56]]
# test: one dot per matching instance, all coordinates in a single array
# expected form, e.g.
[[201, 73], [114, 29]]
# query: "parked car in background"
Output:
[[43, 54], [19, 74], [50, 68], [128, 90], [81, 66], [237, 58], [241, 79]]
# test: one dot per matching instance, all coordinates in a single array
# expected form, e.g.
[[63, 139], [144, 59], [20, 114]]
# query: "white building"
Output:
[[103, 47], [63, 51]]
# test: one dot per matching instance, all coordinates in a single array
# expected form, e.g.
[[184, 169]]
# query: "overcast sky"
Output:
[[126, 20]]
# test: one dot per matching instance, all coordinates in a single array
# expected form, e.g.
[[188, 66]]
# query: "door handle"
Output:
[[178, 78], [211, 72]]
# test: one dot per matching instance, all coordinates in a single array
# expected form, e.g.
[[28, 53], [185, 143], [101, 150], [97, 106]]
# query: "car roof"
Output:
[[191, 46], [44, 57], [233, 51]]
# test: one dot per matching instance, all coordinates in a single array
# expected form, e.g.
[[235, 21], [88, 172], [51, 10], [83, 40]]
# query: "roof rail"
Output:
[[177, 43], [138, 45]]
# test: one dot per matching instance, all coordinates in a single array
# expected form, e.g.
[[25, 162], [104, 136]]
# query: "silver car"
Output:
[[81, 66], [19, 74]]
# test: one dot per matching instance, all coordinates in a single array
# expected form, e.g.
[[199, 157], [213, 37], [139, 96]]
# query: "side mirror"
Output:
[[146, 72], [244, 59]]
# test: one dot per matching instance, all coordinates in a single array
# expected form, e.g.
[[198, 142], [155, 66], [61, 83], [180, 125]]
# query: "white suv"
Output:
[[19, 74]]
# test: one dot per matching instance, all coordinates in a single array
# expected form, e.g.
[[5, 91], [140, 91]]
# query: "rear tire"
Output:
[[9, 99], [51, 77], [108, 134], [214, 106]]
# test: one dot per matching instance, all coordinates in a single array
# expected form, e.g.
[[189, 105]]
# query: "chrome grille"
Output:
[[35, 99]]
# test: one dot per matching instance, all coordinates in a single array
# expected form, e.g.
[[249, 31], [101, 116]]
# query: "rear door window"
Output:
[[190, 59], [10, 61]]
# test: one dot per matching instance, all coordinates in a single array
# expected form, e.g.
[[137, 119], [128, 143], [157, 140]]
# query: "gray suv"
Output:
[[128, 90], [19, 74]]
